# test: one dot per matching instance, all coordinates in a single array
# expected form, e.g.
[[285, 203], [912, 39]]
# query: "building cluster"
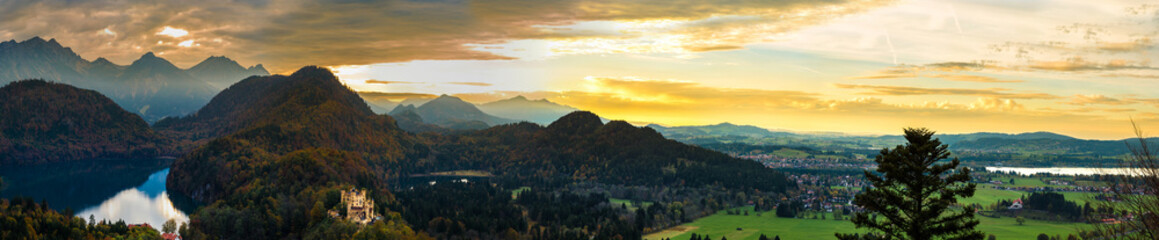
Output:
[[773, 161], [359, 207]]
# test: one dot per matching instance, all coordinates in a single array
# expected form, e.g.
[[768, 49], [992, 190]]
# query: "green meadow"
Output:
[[752, 226]]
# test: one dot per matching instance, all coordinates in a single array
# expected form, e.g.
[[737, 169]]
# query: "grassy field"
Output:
[[791, 153], [631, 207], [515, 193], [986, 196], [751, 227]]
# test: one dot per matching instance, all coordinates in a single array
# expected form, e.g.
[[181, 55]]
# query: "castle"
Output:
[[359, 208]]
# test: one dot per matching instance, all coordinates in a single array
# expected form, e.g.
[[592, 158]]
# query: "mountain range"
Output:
[[539, 111], [984, 146], [450, 112], [150, 86], [291, 142]]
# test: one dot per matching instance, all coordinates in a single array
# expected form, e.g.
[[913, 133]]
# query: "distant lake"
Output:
[[130, 190], [1062, 170]]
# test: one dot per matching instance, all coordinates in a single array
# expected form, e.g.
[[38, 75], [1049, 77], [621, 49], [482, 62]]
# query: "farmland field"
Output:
[[751, 227]]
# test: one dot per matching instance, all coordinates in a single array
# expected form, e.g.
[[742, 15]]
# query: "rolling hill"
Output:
[[47, 122], [282, 143]]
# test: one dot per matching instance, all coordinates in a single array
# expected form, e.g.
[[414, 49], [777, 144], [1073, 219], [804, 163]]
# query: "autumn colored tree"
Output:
[[913, 189], [1137, 191]]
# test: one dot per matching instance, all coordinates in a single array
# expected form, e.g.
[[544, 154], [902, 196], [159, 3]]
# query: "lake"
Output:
[[130, 190], [1062, 170]]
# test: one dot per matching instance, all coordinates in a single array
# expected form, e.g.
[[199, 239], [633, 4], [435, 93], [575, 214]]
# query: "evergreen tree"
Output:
[[913, 193]]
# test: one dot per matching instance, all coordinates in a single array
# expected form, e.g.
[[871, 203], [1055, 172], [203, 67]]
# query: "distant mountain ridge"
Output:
[[151, 86], [452, 112], [981, 147], [729, 129], [519, 107], [221, 71]]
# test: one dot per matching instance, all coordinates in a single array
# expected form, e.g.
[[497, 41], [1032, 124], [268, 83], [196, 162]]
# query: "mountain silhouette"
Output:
[[452, 112], [151, 86], [540, 111], [220, 71]]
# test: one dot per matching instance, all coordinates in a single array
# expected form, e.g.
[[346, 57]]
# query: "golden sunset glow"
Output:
[[859, 66]]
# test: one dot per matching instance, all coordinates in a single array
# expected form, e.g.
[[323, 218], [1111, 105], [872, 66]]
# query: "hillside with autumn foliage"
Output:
[[43, 122]]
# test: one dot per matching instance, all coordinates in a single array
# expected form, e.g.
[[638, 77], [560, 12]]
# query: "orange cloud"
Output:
[[372, 81], [285, 35], [673, 102], [906, 91], [1094, 99], [945, 70], [477, 84]]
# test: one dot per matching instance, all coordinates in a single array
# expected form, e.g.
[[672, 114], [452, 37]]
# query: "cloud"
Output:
[[288, 34], [171, 32], [971, 78], [373, 81], [1080, 64], [477, 84], [950, 71], [672, 101], [1095, 99], [1131, 75], [988, 103], [1136, 45], [907, 91], [394, 95]]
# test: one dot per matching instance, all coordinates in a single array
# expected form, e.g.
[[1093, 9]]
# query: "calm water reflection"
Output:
[[130, 190], [1065, 170], [148, 203]]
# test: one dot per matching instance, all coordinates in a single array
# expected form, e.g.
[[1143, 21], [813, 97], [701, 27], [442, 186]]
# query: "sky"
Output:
[[1081, 68]]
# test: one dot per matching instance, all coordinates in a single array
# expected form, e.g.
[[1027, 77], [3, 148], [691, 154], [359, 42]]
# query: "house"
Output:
[[146, 225], [1016, 205], [170, 236]]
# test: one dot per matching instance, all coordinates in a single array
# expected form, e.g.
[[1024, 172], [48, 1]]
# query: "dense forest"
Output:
[[268, 157], [482, 210], [23, 218], [44, 122], [300, 140], [579, 147], [288, 143]]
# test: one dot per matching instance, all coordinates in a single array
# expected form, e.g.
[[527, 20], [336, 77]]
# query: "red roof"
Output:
[[140, 225], [170, 236]]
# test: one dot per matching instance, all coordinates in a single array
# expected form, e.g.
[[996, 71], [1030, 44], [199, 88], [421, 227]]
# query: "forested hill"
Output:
[[263, 100], [46, 122], [283, 146], [289, 141], [579, 147]]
